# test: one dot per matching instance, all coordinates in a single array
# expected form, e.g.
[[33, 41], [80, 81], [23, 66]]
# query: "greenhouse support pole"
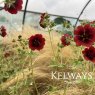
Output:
[[24, 15], [82, 12]]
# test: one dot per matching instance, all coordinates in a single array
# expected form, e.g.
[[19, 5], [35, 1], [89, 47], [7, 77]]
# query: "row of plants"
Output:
[[83, 36]]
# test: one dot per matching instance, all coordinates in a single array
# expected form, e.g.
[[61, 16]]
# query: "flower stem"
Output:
[[34, 83], [49, 30]]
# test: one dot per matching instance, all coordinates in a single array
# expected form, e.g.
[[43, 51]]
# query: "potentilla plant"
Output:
[[48, 24], [3, 31], [12, 6], [83, 36]]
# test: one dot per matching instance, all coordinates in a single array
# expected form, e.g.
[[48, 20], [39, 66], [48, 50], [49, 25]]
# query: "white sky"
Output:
[[63, 7]]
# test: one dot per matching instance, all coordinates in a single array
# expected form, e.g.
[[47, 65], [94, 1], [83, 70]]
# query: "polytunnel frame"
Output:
[[54, 15], [77, 18]]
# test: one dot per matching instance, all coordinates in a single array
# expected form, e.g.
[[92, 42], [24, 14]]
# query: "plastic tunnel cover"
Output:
[[71, 8]]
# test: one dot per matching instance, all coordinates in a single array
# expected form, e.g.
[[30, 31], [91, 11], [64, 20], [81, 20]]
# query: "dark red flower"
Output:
[[89, 54], [43, 15], [42, 23], [36, 42], [93, 22], [65, 39], [7, 54], [3, 31], [13, 6], [84, 35], [43, 20]]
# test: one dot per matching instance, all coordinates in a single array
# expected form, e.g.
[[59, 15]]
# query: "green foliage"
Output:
[[59, 20]]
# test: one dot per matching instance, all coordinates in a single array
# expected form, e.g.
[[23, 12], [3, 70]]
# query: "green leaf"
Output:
[[59, 20]]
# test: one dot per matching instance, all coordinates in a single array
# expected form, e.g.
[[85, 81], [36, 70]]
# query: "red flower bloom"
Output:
[[93, 22], [42, 23], [65, 39], [36, 42], [43, 15], [43, 20], [7, 54], [84, 35], [89, 54], [3, 31], [13, 6]]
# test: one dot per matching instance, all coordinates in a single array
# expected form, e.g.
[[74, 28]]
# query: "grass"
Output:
[[17, 70]]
